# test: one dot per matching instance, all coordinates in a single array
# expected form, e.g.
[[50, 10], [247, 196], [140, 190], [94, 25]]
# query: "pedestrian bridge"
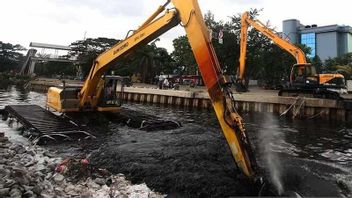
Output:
[[32, 57]]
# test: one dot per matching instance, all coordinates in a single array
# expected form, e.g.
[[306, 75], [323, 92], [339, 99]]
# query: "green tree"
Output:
[[147, 61], [10, 56], [183, 56], [342, 64], [316, 61], [227, 50], [88, 50], [55, 68]]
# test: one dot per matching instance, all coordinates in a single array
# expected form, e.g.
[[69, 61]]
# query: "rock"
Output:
[[37, 189], [28, 193], [48, 185], [4, 192], [48, 176], [58, 178], [27, 188], [93, 185], [86, 194], [11, 153], [5, 144], [39, 174], [42, 168], [19, 149], [31, 163], [59, 192], [3, 161], [100, 181], [31, 152], [15, 193], [45, 195], [48, 154], [71, 190], [51, 166], [40, 160], [9, 183], [4, 171], [20, 175], [4, 139]]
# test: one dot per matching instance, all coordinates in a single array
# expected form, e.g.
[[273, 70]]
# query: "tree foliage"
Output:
[[146, 61], [54, 69], [88, 50], [341, 65], [183, 56], [10, 56], [265, 61]]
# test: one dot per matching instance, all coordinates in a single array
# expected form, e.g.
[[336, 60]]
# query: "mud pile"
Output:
[[31, 171]]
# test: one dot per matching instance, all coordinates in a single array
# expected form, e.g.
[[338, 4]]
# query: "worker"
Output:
[[299, 74], [166, 83], [161, 80], [108, 91]]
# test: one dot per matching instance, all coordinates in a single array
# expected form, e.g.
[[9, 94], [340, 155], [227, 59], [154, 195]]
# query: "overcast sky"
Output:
[[64, 21]]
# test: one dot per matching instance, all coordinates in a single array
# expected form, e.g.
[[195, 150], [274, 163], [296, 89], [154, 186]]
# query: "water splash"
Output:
[[268, 135]]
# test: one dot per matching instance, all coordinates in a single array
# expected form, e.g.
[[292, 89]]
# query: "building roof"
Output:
[[325, 29]]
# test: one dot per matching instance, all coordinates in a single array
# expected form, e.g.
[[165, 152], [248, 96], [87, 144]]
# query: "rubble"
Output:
[[31, 171]]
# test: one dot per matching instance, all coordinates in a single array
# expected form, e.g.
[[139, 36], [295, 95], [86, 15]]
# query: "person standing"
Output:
[[166, 83], [161, 81]]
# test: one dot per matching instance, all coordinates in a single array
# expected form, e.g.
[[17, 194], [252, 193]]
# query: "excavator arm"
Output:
[[230, 121], [188, 14], [247, 21], [150, 30]]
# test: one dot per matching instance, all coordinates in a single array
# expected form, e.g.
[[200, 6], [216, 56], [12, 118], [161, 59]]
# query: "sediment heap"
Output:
[[32, 171]]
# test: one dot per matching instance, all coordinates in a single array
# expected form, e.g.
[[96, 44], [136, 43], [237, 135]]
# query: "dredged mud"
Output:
[[194, 160]]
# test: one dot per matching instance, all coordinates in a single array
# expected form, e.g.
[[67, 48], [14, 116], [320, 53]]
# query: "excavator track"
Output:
[[41, 124], [310, 93]]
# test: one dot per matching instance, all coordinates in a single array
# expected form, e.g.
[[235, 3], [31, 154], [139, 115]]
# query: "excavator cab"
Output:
[[110, 100], [304, 75]]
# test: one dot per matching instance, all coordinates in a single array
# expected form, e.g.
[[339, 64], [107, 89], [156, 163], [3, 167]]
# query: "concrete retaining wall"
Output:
[[302, 107]]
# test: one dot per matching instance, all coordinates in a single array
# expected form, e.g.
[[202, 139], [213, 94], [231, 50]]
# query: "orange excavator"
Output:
[[187, 14], [304, 80]]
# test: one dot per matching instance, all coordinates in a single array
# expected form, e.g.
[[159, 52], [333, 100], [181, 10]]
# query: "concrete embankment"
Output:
[[257, 100]]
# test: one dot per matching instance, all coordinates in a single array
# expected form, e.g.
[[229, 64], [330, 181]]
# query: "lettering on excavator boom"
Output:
[[121, 48], [139, 37]]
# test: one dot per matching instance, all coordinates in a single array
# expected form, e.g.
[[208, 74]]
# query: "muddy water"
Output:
[[311, 157]]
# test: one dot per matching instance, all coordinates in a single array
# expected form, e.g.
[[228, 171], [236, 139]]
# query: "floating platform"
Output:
[[40, 123]]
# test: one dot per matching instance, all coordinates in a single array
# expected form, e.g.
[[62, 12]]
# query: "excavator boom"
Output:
[[247, 21], [188, 14]]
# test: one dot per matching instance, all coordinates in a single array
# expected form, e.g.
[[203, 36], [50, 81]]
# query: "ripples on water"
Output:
[[315, 156]]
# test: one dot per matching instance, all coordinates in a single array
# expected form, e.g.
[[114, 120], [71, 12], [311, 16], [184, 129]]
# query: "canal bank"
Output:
[[257, 100]]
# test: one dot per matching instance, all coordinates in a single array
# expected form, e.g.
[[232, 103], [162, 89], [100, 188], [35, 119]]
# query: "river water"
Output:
[[310, 157]]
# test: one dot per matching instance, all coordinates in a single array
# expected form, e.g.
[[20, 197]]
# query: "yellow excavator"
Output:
[[187, 14], [304, 80]]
